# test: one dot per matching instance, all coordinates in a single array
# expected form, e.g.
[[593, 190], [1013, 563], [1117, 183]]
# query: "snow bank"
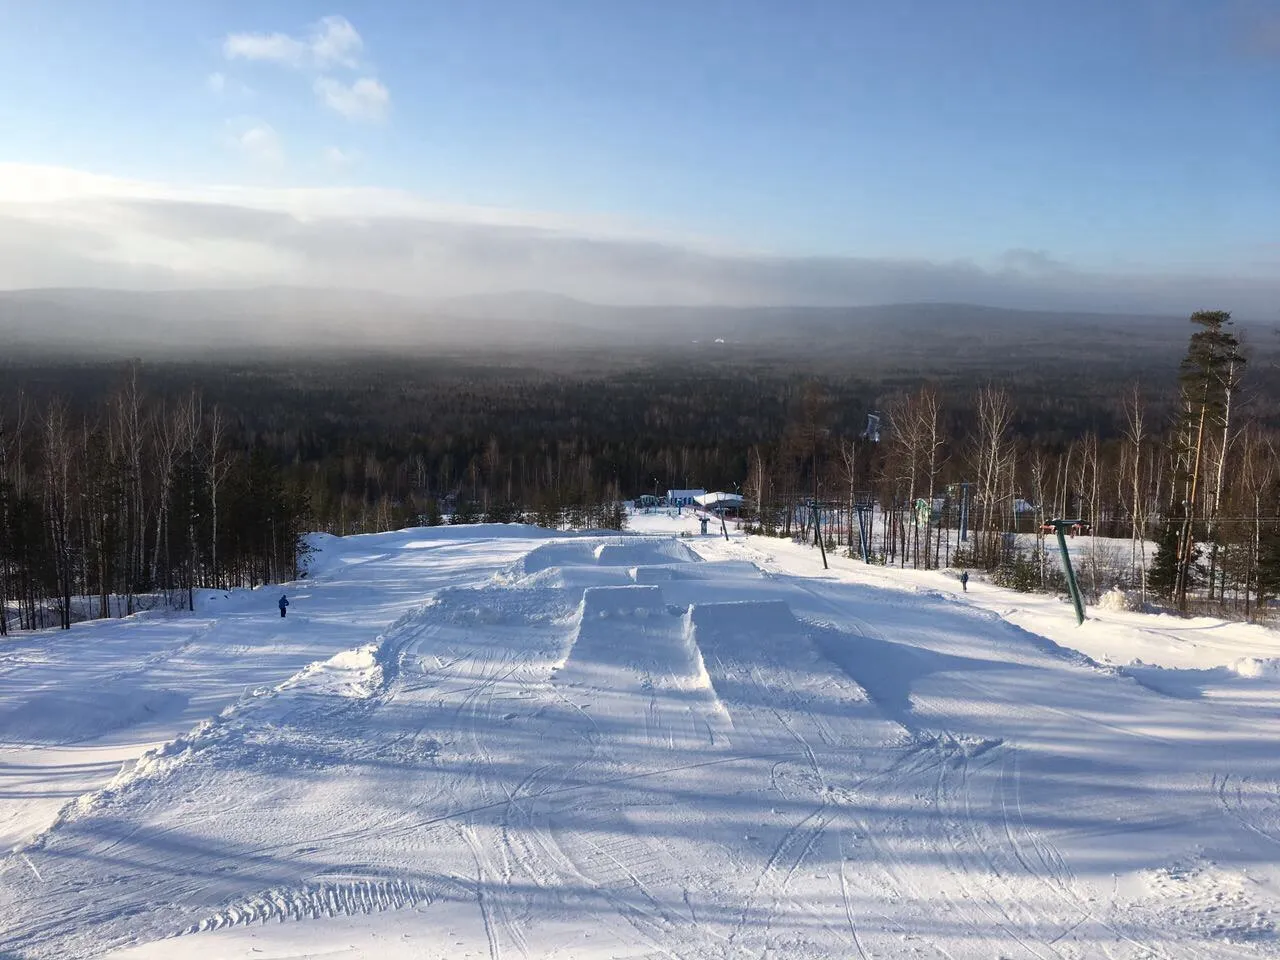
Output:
[[1257, 668], [352, 673]]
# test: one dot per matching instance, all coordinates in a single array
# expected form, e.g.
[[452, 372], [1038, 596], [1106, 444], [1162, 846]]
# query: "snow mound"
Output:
[[634, 552], [355, 674], [745, 628], [643, 575], [1116, 600], [1257, 668], [757, 652], [718, 570], [607, 552], [599, 603], [555, 554], [629, 631], [493, 605]]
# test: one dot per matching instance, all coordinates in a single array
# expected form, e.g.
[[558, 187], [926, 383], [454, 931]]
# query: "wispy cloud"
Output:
[[330, 44], [333, 41], [72, 229], [258, 142], [272, 47], [220, 85], [365, 99], [338, 159]]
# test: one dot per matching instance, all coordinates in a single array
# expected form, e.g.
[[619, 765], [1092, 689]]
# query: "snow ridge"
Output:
[[358, 674], [330, 898]]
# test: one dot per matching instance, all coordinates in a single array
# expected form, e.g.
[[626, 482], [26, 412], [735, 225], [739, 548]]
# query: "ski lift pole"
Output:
[[817, 533], [864, 532], [1059, 527]]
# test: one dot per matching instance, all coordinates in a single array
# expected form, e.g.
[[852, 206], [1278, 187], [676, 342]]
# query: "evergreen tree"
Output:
[[500, 512], [431, 515], [1207, 375], [467, 511], [1163, 575]]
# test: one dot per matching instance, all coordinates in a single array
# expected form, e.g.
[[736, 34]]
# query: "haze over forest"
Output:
[[590, 479]]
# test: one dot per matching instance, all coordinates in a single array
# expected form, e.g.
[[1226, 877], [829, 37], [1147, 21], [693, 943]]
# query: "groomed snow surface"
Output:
[[494, 742]]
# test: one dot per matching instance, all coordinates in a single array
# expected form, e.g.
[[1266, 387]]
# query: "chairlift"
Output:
[[872, 432]]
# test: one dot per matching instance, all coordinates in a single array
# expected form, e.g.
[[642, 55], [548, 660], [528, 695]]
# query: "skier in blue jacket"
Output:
[[284, 603]]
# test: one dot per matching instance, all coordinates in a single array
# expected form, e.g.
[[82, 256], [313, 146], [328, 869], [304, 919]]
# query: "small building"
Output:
[[683, 498]]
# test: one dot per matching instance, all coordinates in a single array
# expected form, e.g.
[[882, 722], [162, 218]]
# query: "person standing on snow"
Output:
[[284, 603], [964, 584]]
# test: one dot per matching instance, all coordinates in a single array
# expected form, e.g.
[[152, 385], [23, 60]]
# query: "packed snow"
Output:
[[496, 741]]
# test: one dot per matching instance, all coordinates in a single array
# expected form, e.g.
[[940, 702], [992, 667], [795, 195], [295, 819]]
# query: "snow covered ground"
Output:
[[495, 742]]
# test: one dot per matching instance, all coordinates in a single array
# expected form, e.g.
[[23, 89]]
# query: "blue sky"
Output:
[[1131, 137]]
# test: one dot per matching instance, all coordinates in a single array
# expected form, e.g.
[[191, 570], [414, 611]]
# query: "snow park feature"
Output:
[[502, 742]]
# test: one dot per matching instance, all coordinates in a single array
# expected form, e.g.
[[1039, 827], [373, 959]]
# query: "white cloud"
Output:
[[271, 47], [339, 159], [61, 227], [259, 142], [333, 41], [365, 99], [216, 83]]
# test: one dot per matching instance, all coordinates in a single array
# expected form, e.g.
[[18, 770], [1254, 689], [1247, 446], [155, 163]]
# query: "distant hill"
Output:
[[85, 322]]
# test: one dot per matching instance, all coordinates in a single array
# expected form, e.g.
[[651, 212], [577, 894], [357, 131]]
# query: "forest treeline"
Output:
[[1192, 485], [127, 481]]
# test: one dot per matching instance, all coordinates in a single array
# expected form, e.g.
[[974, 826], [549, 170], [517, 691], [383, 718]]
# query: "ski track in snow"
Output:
[[496, 743]]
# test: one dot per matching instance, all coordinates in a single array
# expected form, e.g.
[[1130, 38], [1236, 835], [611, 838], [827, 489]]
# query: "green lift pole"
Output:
[[817, 533], [1059, 526]]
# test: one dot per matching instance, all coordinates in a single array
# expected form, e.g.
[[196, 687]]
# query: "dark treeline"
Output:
[[1185, 470], [132, 498], [123, 480]]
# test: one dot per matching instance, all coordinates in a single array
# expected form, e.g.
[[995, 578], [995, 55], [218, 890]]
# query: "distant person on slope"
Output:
[[284, 604], [964, 585]]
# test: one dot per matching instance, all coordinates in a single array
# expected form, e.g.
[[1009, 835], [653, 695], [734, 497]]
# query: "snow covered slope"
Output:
[[489, 742]]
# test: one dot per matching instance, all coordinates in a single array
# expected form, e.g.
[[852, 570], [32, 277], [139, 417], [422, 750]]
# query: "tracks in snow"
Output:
[[327, 898]]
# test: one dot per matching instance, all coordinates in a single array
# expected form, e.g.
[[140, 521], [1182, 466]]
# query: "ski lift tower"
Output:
[[864, 505], [1060, 526], [872, 431]]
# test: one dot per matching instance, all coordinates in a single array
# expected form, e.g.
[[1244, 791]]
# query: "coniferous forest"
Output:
[[128, 483]]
